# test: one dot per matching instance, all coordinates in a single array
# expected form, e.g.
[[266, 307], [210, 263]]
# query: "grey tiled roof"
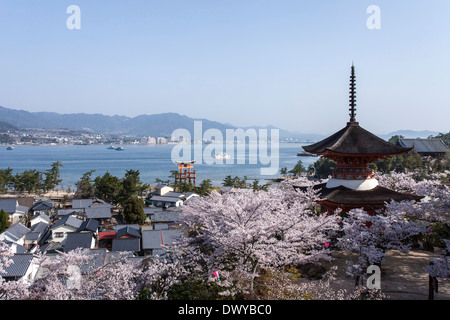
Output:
[[69, 221], [39, 227], [424, 145], [8, 205], [100, 212], [43, 216], [78, 240], [165, 216], [129, 244], [20, 265], [42, 206], [151, 210], [64, 212], [154, 239], [32, 236], [165, 199], [151, 239], [16, 231], [353, 139], [128, 230], [23, 209], [85, 203], [89, 225]]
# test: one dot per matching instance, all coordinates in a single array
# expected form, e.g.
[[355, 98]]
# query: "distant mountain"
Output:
[[5, 127], [145, 125], [410, 134]]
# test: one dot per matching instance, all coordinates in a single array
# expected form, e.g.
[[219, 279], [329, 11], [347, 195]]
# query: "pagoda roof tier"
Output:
[[376, 196], [354, 140]]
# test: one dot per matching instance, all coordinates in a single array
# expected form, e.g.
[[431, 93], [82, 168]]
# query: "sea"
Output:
[[153, 162]]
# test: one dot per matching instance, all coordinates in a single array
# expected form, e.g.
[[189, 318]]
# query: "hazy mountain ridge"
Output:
[[162, 124], [411, 134]]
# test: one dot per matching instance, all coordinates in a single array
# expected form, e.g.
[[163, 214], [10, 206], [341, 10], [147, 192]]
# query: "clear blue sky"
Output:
[[244, 62]]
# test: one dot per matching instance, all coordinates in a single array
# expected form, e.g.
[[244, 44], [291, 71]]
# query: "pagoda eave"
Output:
[[333, 154], [331, 207]]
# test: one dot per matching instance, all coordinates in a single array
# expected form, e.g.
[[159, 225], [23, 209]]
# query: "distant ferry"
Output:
[[305, 154], [222, 156], [10, 148], [119, 149]]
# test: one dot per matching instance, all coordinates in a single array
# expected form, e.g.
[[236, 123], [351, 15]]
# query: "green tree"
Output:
[[204, 188], [28, 180], [6, 179], [228, 181], [445, 137], [85, 188], [52, 176], [133, 210], [298, 169], [324, 167], [401, 163], [236, 182], [107, 188], [4, 221], [131, 186], [394, 139], [256, 186]]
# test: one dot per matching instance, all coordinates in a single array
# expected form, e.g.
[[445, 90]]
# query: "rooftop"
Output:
[[129, 244], [424, 145], [19, 267], [353, 140], [78, 240]]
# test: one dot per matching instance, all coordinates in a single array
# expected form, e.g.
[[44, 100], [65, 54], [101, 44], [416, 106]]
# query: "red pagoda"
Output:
[[352, 184]]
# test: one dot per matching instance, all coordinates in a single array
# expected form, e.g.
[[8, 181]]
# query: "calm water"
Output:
[[152, 161]]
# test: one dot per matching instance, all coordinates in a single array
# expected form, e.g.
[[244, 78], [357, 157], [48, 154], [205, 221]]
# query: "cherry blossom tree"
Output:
[[240, 232], [160, 274], [74, 276], [10, 290], [440, 267], [284, 286], [433, 209], [370, 236]]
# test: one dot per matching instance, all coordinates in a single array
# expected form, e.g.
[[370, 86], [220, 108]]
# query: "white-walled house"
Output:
[[39, 217], [62, 227], [166, 202], [15, 233], [22, 269], [162, 189], [165, 197], [13, 209]]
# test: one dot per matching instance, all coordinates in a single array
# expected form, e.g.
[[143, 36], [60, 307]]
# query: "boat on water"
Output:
[[111, 148], [10, 148], [305, 154], [222, 155], [119, 149]]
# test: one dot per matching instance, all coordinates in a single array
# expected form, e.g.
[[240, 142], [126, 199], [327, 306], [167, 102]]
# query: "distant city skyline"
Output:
[[246, 63]]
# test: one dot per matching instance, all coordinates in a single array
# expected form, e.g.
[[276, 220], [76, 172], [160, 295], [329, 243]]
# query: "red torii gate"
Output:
[[185, 173]]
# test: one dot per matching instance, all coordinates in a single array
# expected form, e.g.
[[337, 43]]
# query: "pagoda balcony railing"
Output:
[[353, 173]]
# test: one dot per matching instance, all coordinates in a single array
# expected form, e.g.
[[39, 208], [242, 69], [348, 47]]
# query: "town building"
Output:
[[165, 197], [14, 209], [425, 147]]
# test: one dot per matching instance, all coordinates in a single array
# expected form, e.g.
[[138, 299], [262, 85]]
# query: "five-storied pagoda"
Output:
[[352, 184]]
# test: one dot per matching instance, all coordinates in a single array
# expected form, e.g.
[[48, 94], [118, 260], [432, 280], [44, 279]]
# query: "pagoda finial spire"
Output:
[[352, 95]]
